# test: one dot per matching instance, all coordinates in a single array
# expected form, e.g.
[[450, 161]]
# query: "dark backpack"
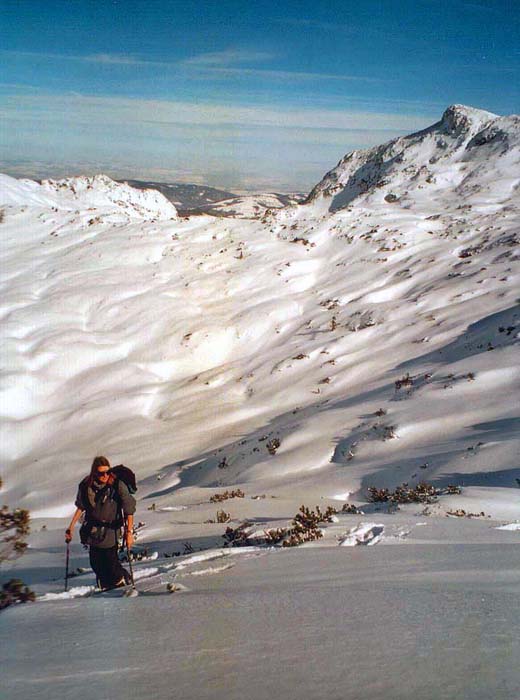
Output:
[[125, 475], [121, 473]]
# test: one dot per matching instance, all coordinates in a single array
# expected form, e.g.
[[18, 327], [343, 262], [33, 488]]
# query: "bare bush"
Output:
[[219, 497], [404, 381], [351, 509], [15, 591], [273, 445], [14, 526], [422, 493], [304, 528]]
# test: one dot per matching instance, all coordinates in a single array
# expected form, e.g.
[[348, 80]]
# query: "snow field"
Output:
[[303, 356]]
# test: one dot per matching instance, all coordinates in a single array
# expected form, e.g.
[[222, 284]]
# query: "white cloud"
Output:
[[115, 59], [221, 65], [228, 58], [126, 110]]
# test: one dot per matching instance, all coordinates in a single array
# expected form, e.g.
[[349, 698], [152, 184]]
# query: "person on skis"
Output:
[[108, 505]]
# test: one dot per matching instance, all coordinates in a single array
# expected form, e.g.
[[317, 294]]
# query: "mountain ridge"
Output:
[[417, 159]]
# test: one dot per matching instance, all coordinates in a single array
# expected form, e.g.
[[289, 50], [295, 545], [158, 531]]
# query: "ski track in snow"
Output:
[[210, 570], [509, 526], [73, 592]]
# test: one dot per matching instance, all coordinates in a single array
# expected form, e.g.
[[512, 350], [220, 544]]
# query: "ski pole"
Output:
[[130, 565], [67, 568]]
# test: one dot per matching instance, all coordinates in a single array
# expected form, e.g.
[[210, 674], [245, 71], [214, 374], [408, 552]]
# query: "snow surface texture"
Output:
[[368, 337], [184, 348], [428, 622]]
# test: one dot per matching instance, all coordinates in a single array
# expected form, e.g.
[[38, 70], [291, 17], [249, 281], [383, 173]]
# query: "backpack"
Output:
[[122, 473], [125, 475]]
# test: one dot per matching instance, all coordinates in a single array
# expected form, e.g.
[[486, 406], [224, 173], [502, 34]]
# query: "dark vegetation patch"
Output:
[[219, 497], [422, 493], [304, 528]]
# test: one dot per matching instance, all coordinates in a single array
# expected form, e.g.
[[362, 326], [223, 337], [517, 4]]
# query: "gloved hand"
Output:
[[68, 534]]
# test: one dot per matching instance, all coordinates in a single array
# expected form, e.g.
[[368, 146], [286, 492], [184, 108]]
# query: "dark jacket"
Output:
[[103, 506]]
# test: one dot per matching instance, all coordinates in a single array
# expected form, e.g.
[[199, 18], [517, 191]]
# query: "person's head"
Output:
[[100, 470]]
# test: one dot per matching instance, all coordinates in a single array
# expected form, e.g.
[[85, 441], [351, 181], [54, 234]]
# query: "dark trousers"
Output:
[[106, 566]]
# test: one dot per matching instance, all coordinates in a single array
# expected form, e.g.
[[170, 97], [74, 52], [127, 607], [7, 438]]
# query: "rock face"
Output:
[[446, 156]]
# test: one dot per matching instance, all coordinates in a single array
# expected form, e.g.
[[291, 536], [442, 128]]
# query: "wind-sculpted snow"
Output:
[[353, 341]]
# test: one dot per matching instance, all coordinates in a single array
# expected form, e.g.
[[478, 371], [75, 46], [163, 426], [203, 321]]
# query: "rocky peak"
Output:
[[429, 159], [459, 119]]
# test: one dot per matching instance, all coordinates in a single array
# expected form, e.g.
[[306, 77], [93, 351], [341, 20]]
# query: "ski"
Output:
[[160, 583], [130, 591]]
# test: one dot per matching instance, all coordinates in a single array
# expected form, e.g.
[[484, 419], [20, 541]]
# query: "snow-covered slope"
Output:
[[332, 348], [459, 157], [251, 206], [353, 341], [87, 193]]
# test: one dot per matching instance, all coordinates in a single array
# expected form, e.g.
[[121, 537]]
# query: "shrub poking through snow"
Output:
[[275, 535], [223, 517], [219, 497], [273, 445], [238, 536], [14, 526], [310, 519], [299, 536], [422, 493], [389, 432], [351, 509], [461, 513], [14, 591], [304, 528], [404, 381], [305, 525]]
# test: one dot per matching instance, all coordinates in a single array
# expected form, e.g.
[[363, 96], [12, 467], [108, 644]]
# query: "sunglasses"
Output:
[[104, 473]]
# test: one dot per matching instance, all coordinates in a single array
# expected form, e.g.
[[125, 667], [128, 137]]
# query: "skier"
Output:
[[108, 505]]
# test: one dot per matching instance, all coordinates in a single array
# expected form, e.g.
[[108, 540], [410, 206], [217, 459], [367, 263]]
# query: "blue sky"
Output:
[[263, 95]]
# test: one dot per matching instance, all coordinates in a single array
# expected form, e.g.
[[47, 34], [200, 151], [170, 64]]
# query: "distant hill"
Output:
[[190, 200], [186, 198]]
